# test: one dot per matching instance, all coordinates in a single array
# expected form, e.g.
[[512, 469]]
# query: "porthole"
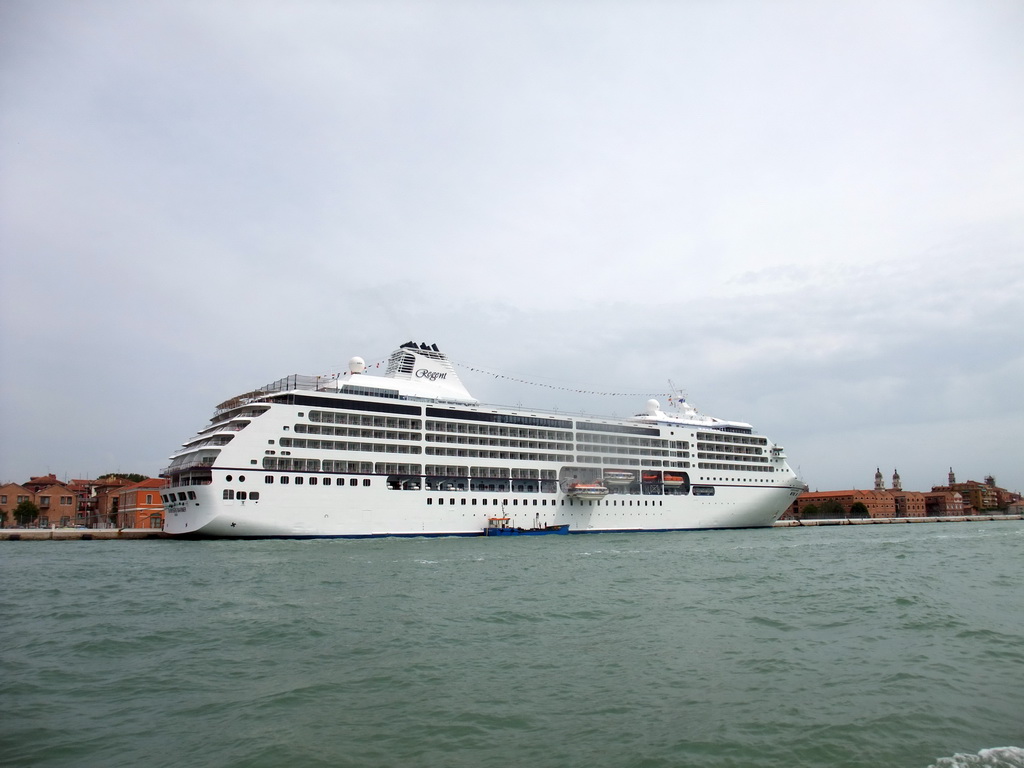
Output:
[[241, 478], [228, 478]]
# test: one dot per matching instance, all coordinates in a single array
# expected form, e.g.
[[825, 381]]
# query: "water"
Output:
[[852, 646]]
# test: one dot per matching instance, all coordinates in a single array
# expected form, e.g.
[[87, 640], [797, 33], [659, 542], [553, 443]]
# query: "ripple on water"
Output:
[[847, 647]]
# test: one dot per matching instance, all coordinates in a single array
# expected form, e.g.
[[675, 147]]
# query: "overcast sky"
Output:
[[808, 216]]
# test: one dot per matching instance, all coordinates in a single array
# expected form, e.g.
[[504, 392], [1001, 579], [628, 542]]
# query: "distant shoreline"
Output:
[[148, 534], [894, 520]]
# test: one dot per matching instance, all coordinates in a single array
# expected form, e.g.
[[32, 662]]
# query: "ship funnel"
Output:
[[428, 373]]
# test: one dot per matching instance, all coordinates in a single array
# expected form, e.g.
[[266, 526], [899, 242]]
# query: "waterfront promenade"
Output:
[[79, 534]]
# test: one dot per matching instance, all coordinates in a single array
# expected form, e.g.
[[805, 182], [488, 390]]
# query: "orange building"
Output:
[[106, 502], [140, 505]]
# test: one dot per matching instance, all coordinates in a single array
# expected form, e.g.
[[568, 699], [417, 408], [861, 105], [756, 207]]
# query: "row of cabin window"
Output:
[[732, 457], [500, 442], [285, 479], [475, 453], [720, 438], [608, 449], [640, 442], [496, 431], [357, 419], [735, 467], [733, 449], [169, 497], [241, 495], [543, 502]]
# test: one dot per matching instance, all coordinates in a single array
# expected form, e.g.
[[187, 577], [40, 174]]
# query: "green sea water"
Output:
[[898, 646]]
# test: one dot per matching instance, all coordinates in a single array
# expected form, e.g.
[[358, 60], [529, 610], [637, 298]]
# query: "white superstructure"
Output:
[[412, 453]]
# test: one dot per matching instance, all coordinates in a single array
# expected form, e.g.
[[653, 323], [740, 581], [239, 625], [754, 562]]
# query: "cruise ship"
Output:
[[409, 452]]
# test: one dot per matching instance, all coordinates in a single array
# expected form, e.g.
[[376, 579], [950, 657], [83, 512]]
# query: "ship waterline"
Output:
[[412, 453]]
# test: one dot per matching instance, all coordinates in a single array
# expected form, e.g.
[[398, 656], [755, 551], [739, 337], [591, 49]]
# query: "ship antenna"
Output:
[[678, 395]]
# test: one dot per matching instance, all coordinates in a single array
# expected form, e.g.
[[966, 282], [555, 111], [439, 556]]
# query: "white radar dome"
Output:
[[356, 365], [653, 406]]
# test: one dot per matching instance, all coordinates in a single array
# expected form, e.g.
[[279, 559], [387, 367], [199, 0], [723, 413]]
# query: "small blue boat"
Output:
[[499, 526]]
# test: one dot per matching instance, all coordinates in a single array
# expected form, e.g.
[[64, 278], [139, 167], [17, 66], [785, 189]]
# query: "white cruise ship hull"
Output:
[[317, 511]]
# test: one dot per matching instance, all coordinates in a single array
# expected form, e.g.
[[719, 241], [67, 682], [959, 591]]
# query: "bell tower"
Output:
[[879, 480], [896, 486]]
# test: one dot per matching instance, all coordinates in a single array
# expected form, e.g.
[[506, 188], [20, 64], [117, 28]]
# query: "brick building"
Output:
[[106, 500], [56, 502], [11, 495], [92, 503], [809, 505], [910, 503], [951, 500], [944, 504], [978, 497]]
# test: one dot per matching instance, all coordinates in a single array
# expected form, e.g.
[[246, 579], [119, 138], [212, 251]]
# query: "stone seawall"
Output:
[[79, 534]]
